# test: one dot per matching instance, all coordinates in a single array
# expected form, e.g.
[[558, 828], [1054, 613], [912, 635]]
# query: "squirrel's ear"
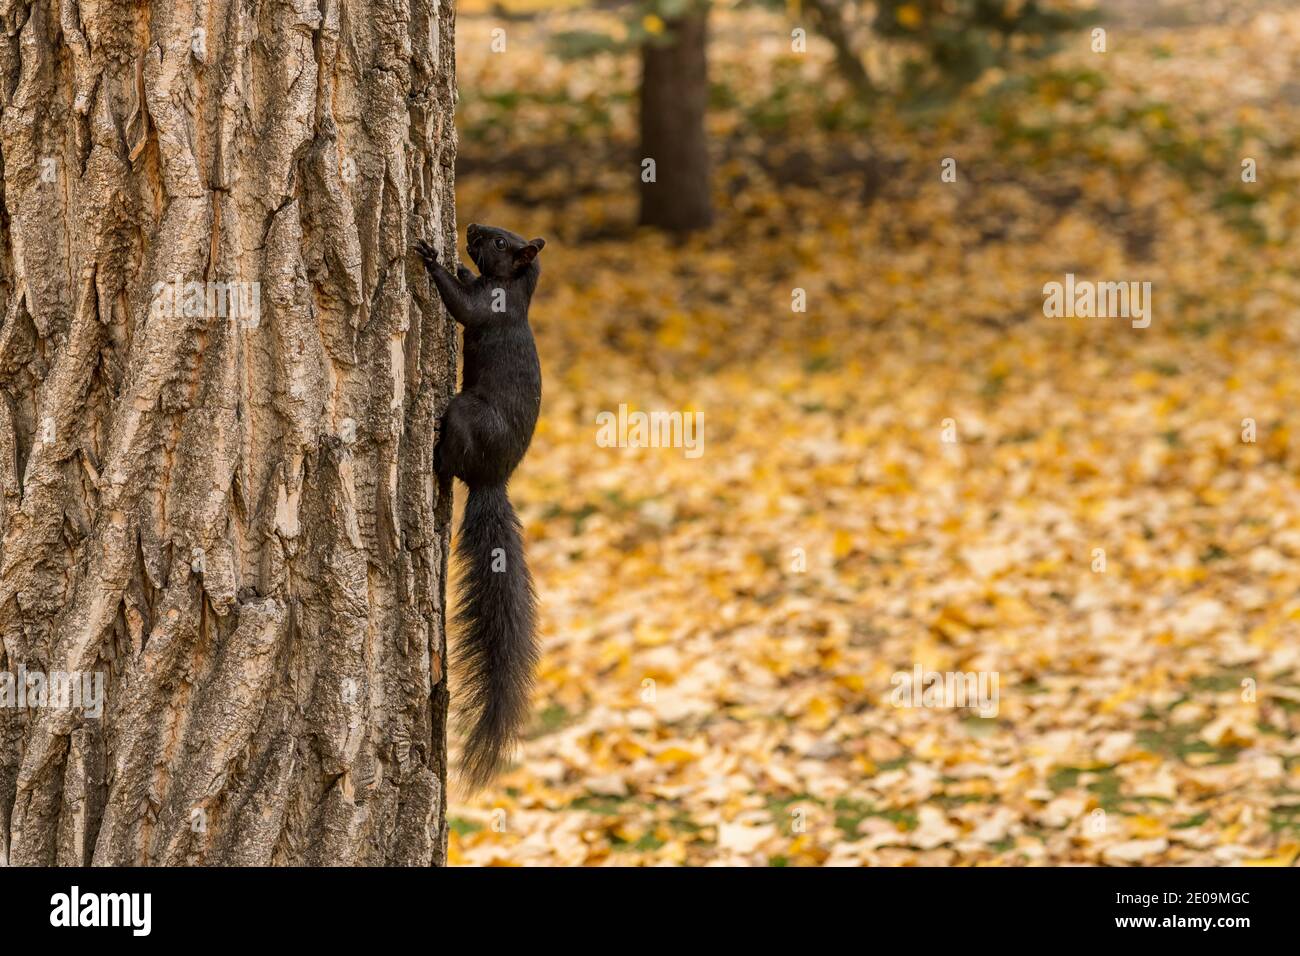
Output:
[[526, 255], [539, 243]]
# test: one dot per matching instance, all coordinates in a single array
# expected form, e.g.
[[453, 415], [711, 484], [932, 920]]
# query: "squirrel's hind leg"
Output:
[[453, 442], [466, 441]]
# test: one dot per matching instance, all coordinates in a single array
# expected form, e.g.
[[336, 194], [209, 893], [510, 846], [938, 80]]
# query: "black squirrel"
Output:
[[485, 432]]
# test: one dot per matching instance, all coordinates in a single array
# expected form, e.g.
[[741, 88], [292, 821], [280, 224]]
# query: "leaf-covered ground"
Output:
[[704, 701]]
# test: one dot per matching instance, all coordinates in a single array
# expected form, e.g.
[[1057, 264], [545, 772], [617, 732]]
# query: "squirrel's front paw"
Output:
[[427, 253]]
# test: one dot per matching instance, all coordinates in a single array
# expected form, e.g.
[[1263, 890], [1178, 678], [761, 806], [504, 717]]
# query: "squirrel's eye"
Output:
[[499, 243]]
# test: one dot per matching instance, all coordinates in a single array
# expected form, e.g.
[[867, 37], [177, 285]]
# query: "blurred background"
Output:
[[919, 468]]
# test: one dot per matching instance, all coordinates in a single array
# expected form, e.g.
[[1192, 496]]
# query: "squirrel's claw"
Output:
[[426, 252]]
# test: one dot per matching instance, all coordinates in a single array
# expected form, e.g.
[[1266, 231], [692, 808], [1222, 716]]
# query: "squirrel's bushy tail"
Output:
[[496, 653]]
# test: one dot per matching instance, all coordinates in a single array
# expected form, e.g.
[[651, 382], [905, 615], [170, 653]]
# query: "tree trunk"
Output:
[[829, 19], [216, 498], [674, 98]]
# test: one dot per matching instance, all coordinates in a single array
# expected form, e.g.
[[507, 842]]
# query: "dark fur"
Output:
[[485, 433]]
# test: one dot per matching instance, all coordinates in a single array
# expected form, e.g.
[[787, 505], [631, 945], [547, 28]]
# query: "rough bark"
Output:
[[232, 518], [674, 99]]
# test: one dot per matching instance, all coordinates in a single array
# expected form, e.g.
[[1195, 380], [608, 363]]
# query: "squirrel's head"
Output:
[[500, 253]]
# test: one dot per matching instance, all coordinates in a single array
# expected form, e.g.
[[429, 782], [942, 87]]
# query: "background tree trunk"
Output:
[[674, 99], [828, 16], [233, 519]]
